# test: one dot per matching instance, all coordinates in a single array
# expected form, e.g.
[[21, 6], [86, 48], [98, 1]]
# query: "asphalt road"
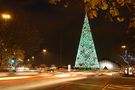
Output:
[[95, 83], [41, 80], [79, 82]]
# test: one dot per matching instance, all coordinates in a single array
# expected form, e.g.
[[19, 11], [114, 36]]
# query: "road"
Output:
[[95, 83], [68, 81], [29, 82]]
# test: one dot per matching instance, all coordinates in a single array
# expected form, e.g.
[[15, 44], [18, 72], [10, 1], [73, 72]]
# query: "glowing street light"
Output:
[[44, 53], [33, 57], [44, 50], [125, 55], [6, 16], [123, 46], [28, 60]]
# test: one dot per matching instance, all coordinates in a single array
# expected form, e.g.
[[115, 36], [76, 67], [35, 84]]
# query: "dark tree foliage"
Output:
[[14, 36], [112, 8]]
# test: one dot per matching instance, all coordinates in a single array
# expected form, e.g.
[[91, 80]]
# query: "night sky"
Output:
[[60, 28]]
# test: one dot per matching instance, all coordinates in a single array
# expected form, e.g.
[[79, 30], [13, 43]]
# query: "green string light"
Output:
[[86, 56]]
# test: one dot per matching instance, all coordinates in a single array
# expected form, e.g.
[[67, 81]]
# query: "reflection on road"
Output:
[[23, 82]]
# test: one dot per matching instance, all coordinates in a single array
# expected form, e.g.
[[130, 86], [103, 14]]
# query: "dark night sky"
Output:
[[60, 28]]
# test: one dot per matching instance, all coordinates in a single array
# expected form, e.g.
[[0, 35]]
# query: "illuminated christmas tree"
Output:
[[86, 56]]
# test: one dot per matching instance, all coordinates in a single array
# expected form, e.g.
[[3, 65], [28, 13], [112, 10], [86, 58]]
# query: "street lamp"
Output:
[[6, 17], [44, 50], [125, 51], [28, 60], [125, 55], [33, 57], [124, 46], [125, 58]]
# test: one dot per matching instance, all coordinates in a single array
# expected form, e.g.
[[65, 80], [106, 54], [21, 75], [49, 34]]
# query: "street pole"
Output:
[[125, 60], [6, 17], [61, 45], [125, 55]]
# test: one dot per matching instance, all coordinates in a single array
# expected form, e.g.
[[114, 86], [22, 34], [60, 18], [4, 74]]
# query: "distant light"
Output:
[[20, 69], [108, 64], [33, 57], [126, 71], [123, 46], [130, 71], [44, 50], [6, 50], [63, 75], [13, 68], [6, 16], [12, 61], [69, 67], [28, 60]]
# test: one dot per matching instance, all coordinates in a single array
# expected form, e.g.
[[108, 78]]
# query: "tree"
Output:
[[111, 8], [9, 53], [18, 40], [86, 56]]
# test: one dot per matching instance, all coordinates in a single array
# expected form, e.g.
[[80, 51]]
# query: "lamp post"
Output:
[[125, 55], [128, 70], [124, 46], [33, 57], [44, 51], [5, 17]]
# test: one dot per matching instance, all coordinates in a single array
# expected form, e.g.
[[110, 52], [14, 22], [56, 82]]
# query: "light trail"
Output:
[[19, 77], [42, 83]]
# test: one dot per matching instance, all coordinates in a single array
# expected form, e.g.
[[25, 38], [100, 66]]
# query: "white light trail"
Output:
[[20, 77], [42, 83]]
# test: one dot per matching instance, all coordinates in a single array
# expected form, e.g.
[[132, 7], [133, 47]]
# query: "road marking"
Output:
[[118, 87], [67, 84], [105, 86]]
